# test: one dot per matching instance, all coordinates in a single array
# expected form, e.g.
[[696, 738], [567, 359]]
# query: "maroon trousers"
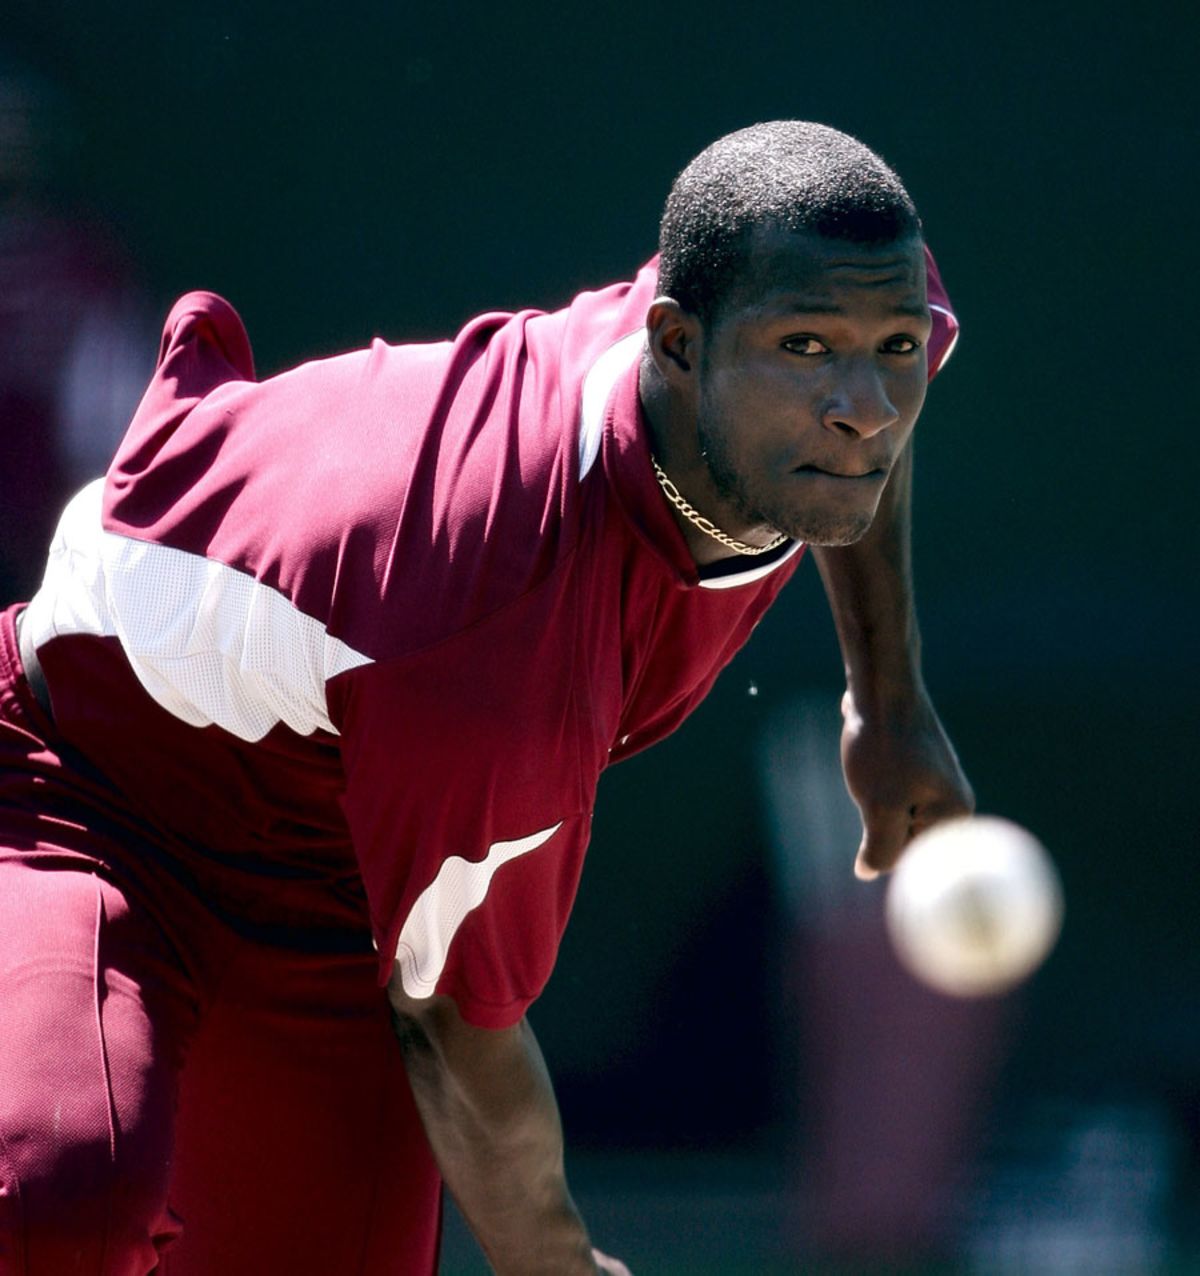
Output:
[[179, 1093]]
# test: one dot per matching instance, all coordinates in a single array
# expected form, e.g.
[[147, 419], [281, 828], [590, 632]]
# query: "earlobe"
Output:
[[673, 337]]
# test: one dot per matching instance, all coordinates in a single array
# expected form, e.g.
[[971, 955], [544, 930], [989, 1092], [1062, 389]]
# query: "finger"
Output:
[[927, 817], [862, 870], [610, 1266], [884, 837], [953, 806]]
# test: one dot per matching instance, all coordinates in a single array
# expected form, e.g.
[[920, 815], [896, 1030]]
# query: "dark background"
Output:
[[395, 169]]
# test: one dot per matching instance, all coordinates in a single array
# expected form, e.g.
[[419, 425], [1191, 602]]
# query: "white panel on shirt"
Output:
[[208, 642], [459, 887]]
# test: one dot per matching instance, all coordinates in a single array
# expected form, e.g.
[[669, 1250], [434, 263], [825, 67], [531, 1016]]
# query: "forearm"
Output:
[[489, 1112], [870, 592], [900, 766]]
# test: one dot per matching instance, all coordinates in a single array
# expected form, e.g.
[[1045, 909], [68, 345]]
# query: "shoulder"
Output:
[[944, 336], [492, 500], [397, 493]]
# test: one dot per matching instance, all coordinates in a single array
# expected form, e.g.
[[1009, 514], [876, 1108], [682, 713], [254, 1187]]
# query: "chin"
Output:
[[831, 532]]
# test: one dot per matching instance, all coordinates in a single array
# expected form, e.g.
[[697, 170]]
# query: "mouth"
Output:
[[846, 476]]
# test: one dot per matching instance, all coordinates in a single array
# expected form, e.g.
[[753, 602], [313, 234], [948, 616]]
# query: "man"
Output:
[[339, 658]]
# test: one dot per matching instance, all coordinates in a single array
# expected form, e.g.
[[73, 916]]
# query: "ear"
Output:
[[674, 337]]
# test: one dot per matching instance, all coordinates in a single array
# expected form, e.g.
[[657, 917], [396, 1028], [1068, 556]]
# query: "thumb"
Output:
[[884, 837]]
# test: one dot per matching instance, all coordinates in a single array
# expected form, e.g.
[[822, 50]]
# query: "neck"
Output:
[[674, 444]]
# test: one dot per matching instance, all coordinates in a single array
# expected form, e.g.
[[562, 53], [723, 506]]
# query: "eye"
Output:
[[901, 345], [805, 345]]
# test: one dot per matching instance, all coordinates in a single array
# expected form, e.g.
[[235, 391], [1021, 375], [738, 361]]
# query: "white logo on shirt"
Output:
[[441, 908]]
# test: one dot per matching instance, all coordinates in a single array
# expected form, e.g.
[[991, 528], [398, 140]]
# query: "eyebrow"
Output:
[[914, 311]]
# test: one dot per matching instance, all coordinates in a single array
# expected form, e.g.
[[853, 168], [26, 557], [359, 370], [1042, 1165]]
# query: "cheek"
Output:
[[759, 399], [727, 405], [909, 395]]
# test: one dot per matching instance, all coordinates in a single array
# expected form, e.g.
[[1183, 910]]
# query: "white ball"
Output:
[[974, 906]]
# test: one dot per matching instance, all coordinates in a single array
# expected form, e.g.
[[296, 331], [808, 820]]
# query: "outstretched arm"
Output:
[[900, 766], [489, 1112]]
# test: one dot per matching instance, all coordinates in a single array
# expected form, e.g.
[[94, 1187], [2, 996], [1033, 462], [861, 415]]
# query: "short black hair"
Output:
[[787, 173]]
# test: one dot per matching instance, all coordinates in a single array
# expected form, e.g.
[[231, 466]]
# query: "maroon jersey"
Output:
[[389, 615]]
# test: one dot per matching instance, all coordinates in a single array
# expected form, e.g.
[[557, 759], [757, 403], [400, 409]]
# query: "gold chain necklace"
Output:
[[706, 525]]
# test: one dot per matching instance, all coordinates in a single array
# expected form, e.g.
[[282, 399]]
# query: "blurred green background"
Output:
[[343, 172]]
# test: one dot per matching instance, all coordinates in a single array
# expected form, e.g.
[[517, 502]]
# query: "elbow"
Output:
[[432, 1027], [410, 1032], [415, 1020]]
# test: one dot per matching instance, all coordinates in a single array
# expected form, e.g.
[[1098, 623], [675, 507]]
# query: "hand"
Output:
[[609, 1266], [902, 773]]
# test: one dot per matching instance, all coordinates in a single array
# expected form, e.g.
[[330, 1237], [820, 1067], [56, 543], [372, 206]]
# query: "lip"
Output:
[[845, 476]]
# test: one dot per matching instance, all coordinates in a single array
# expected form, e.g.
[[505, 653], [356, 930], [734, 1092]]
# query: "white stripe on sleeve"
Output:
[[597, 386], [953, 325]]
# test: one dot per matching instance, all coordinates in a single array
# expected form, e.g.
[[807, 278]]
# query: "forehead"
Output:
[[805, 272]]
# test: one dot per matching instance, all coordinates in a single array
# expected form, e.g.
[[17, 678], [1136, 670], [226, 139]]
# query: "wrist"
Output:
[[560, 1247], [890, 679]]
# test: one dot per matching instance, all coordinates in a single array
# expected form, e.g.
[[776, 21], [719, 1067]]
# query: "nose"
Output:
[[860, 404]]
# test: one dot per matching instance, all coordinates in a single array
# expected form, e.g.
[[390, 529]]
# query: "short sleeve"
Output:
[[944, 337], [468, 807]]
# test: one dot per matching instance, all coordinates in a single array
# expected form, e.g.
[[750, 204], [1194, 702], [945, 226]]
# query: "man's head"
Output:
[[789, 174], [788, 338]]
